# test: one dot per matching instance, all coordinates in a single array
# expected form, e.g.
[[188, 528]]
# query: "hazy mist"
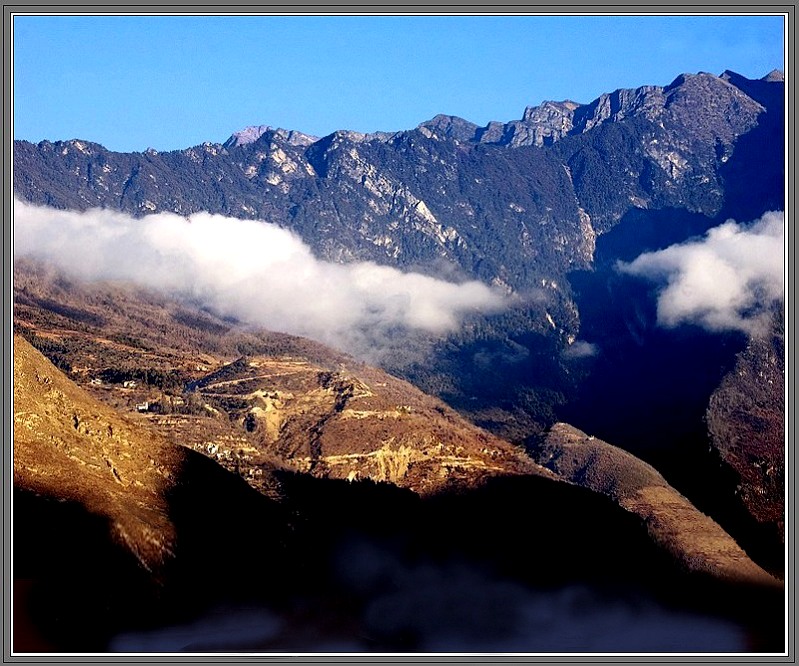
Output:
[[253, 271]]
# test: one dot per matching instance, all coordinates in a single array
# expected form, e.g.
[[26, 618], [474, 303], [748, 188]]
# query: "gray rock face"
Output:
[[450, 127], [710, 108], [544, 124]]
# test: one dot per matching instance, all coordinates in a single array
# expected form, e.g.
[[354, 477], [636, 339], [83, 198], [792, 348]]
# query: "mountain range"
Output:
[[510, 203], [676, 435]]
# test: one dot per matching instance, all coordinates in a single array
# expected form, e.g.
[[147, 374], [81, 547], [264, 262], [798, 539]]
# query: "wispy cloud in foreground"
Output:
[[256, 272], [723, 282], [452, 607]]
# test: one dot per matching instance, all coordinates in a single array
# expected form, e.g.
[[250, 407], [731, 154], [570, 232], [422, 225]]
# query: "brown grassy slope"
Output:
[[68, 446], [694, 539], [289, 402], [353, 422], [117, 319], [115, 527]]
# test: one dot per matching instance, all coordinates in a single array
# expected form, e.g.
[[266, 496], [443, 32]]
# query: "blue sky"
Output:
[[131, 83]]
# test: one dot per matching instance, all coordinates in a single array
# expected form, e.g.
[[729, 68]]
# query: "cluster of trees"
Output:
[[54, 350], [163, 379]]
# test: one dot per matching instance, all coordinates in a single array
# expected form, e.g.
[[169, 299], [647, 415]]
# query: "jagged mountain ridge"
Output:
[[445, 191], [551, 121], [539, 125]]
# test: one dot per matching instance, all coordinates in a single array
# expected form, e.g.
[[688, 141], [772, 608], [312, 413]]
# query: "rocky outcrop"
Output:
[[451, 127]]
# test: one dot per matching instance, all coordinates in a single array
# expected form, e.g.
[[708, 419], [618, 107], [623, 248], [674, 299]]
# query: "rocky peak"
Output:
[[713, 108], [549, 110], [768, 90], [253, 133], [247, 135], [295, 138], [491, 133], [450, 126], [679, 80], [647, 101], [775, 75], [542, 124], [72, 146]]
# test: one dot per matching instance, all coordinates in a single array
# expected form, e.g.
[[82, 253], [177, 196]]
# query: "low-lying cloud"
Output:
[[724, 282], [454, 606], [253, 271]]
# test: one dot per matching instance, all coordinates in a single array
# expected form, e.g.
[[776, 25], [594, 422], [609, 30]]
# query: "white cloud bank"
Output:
[[723, 282], [251, 270]]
